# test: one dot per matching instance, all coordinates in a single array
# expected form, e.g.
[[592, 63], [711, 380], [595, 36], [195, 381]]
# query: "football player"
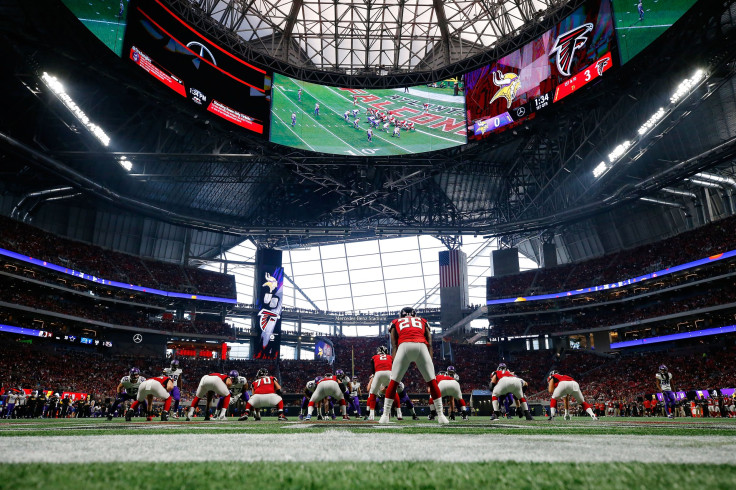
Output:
[[308, 391], [210, 385], [316, 109], [356, 123], [449, 386], [664, 384], [381, 364], [293, 118], [174, 372], [346, 116], [127, 389], [397, 132], [159, 387], [299, 94], [412, 342], [504, 381], [266, 393], [560, 385], [237, 390], [330, 386], [369, 133], [354, 398]]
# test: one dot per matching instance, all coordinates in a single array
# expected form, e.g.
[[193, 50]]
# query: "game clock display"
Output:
[[564, 59]]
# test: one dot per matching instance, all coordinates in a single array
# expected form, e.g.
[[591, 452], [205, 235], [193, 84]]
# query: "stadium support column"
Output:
[[549, 255], [453, 287], [299, 338], [504, 262]]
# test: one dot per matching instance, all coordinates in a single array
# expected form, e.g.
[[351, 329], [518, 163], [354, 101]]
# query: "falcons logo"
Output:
[[601, 65], [566, 44], [267, 316]]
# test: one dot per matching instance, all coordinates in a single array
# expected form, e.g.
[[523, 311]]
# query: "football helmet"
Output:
[[175, 364], [234, 374], [340, 373], [663, 368], [263, 372], [134, 373], [408, 311], [400, 388], [552, 373], [328, 375], [382, 349], [317, 379], [502, 367], [451, 369]]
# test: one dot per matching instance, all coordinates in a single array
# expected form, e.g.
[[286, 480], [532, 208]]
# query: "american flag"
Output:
[[450, 268]]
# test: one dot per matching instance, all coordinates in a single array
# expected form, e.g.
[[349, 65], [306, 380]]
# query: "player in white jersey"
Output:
[[127, 389], [664, 384], [308, 391], [174, 372], [397, 132], [346, 116], [354, 399], [237, 390]]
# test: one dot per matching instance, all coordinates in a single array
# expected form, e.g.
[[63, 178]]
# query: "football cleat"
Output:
[[308, 417], [550, 418], [431, 415], [243, 418], [282, 418], [345, 417], [256, 416], [301, 416], [164, 416], [494, 416], [319, 417], [384, 419], [441, 419], [465, 415], [520, 414], [223, 415], [528, 415], [128, 415], [149, 418], [109, 417], [670, 416], [414, 417], [207, 418], [594, 417], [452, 416], [568, 417]]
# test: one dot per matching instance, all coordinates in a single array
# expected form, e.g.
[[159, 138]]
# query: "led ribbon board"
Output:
[[619, 284], [108, 282]]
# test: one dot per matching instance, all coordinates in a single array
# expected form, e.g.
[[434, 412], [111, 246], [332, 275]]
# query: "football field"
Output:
[[329, 131], [609, 453], [103, 19], [635, 33]]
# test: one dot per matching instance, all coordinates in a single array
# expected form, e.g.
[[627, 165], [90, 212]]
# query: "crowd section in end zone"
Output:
[[702, 242], [628, 379], [45, 302], [33, 242]]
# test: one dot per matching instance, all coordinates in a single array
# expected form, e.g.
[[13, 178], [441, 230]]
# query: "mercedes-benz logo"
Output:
[[137, 338], [520, 111], [204, 53]]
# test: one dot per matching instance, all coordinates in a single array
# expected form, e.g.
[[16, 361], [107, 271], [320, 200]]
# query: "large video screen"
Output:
[[105, 18], [564, 59], [639, 22], [191, 65], [367, 122]]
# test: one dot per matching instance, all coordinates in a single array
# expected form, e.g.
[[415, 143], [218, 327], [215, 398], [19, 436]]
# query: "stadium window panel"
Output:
[[287, 352], [336, 292], [335, 265], [396, 301], [363, 262], [375, 302], [310, 281], [335, 278], [365, 275], [398, 244], [367, 287], [362, 248], [400, 258], [307, 355], [315, 294], [332, 252], [305, 268], [401, 271], [238, 350], [304, 254], [341, 304], [406, 284]]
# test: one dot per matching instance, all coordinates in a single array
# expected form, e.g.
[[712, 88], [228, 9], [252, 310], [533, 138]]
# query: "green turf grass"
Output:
[[633, 34], [367, 475], [328, 132], [101, 17]]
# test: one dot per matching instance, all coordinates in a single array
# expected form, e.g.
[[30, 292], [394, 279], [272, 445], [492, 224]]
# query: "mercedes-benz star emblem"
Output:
[[137, 338], [520, 112]]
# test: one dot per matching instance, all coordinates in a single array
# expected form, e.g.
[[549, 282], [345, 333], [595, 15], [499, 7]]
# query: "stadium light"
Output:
[[600, 169], [125, 163], [58, 89], [687, 85], [652, 121], [619, 151]]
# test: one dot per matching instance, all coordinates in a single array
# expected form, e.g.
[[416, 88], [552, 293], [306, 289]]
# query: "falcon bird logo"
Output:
[[567, 44], [509, 83]]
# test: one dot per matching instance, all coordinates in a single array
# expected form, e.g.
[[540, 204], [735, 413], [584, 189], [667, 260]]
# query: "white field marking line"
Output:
[[292, 130], [320, 124], [376, 134], [644, 27], [102, 21], [371, 446]]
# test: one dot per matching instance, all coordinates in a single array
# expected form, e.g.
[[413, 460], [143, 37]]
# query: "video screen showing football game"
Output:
[[105, 18], [192, 66], [639, 22], [564, 59], [374, 122]]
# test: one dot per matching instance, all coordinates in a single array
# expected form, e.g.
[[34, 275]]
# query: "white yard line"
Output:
[[292, 130], [343, 445]]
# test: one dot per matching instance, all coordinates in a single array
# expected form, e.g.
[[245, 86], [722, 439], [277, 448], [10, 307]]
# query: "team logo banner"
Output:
[[564, 59], [269, 316]]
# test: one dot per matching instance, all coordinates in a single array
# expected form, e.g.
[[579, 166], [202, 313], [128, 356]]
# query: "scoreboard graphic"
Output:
[[563, 60]]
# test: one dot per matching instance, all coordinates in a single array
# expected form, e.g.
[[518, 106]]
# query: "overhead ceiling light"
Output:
[[618, 151], [125, 163], [652, 121], [687, 85], [600, 169], [58, 89]]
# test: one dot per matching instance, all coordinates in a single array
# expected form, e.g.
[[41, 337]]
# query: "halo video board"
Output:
[[195, 67], [106, 19], [564, 59]]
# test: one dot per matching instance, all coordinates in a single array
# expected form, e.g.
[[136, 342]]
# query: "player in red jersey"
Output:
[[503, 382], [159, 387], [411, 342], [381, 367], [560, 385], [266, 393], [210, 385], [332, 386], [449, 386]]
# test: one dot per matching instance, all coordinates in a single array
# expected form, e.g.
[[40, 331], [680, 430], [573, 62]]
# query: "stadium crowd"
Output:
[[33, 242]]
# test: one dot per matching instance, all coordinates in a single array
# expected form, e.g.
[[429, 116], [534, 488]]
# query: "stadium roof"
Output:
[[373, 36]]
